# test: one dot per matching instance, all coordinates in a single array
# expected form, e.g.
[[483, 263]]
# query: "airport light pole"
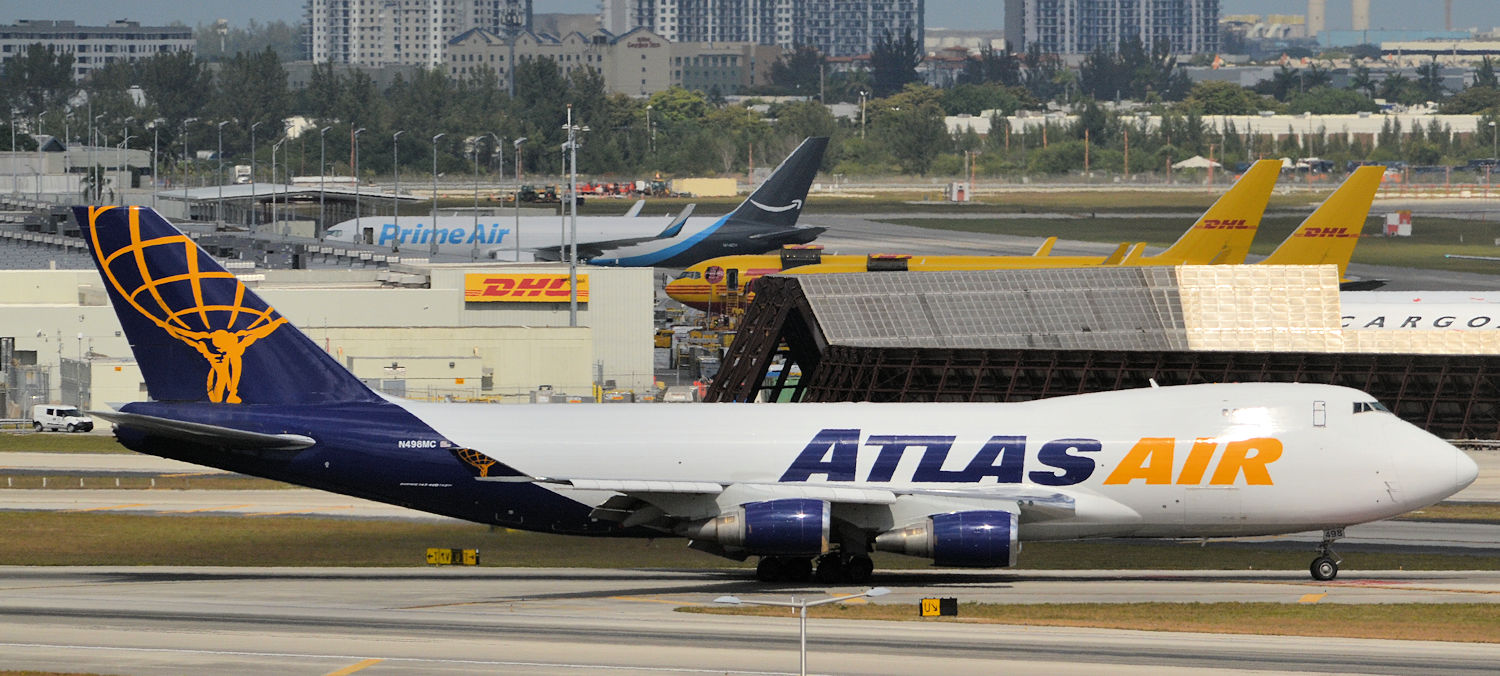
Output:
[[474, 152], [124, 147], [322, 148], [862, 95], [396, 187], [432, 244], [517, 197], [40, 160], [573, 131], [219, 210], [650, 133], [254, 201], [155, 142], [275, 217], [802, 607], [355, 135], [187, 210]]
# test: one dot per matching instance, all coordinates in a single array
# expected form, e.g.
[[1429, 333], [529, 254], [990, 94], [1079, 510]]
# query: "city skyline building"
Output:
[[402, 32], [1073, 27], [837, 28], [94, 47]]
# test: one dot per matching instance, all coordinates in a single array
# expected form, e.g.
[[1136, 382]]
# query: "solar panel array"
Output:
[[1081, 308]]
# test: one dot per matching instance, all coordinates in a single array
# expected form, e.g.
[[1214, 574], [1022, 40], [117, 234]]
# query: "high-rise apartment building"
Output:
[[834, 27], [410, 32], [94, 47], [1081, 26]]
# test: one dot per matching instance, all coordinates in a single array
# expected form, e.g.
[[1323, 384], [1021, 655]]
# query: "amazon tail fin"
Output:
[[778, 201], [1330, 233], [197, 332], [1224, 232]]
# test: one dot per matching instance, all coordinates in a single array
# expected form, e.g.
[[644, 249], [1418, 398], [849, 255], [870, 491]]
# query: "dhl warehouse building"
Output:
[[492, 332]]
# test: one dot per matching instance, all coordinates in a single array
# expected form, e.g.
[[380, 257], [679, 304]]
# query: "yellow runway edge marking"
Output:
[[100, 509], [362, 664], [1311, 598]]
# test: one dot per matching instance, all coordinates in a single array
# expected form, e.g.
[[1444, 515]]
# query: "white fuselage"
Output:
[[1440, 310], [1191, 461], [498, 236]]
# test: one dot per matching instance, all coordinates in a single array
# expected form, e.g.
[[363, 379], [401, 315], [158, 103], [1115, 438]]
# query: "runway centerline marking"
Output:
[[421, 660], [362, 664], [100, 509], [1311, 598]]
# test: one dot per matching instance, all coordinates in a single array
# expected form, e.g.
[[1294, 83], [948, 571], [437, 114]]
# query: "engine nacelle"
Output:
[[974, 539], [790, 527]]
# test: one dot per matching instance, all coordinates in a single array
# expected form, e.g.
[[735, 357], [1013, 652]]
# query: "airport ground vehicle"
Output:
[[60, 418], [802, 486]]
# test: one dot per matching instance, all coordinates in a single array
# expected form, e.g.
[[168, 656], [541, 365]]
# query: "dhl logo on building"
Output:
[[1224, 224], [522, 288], [1326, 232]]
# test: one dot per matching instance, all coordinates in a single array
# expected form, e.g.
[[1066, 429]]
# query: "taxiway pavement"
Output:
[[533, 621]]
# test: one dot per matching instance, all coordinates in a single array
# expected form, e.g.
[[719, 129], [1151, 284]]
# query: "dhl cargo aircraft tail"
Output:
[[1223, 233], [1329, 234]]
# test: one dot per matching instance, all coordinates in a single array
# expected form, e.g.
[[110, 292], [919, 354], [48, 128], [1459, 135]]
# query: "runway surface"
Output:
[[534, 621]]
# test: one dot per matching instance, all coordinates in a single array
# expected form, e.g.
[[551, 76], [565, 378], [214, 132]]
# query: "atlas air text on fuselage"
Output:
[[490, 233], [834, 454]]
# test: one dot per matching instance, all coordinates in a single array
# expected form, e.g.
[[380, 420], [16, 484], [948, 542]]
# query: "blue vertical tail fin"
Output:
[[779, 200], [197, 332]]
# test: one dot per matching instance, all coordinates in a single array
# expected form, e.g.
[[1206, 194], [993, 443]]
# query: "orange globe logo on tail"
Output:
[[187, 302]]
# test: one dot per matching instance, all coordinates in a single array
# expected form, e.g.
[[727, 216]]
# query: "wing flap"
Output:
[[213, 435]]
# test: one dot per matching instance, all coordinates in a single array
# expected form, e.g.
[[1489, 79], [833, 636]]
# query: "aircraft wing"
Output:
[[1034, 503]]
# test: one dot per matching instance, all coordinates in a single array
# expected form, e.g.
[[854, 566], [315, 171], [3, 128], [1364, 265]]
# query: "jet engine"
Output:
[[789, 527], [974, 539]]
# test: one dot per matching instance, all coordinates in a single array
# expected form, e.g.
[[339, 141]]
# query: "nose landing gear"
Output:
[[1326, 566]]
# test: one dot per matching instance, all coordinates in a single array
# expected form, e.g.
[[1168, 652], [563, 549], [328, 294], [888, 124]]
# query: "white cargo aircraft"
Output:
[[802, 486], [1433, 310]]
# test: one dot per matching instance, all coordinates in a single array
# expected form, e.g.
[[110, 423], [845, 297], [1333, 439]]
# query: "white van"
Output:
[[58, 417]]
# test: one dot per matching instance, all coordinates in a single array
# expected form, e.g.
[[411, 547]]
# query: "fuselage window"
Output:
[[1367, 406]]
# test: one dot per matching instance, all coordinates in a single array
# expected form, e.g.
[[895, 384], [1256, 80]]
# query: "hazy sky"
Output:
[[945, 13]]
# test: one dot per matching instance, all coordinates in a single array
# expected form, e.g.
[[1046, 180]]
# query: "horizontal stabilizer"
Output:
[[211, 435]]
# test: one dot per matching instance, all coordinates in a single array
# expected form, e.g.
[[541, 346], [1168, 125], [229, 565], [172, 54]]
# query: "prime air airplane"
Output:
[[763, 222], [804, 487]]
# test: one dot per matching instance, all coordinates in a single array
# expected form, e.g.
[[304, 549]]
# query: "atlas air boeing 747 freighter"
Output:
[[807, 488]]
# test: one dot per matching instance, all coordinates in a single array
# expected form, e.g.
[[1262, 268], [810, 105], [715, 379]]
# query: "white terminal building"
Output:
[[409, 331]]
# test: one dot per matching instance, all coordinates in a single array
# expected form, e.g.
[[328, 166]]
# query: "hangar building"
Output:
[[1015, 335]]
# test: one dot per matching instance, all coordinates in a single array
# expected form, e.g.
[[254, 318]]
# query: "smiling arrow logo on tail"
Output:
[[796, 204]]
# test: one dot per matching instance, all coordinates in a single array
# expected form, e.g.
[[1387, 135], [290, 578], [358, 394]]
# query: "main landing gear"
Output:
[[830, 568], [1326, 566]]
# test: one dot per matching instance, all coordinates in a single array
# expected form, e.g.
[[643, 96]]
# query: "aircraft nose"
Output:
[[1465, 470]]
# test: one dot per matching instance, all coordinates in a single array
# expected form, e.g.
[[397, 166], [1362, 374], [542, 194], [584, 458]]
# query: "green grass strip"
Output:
[[57, 442]]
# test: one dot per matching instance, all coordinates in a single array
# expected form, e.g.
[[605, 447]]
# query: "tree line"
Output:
[[176, 99]]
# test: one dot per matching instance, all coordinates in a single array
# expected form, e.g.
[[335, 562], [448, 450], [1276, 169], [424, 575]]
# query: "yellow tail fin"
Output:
[[1224, 232], [1118, 255], [1330, 233], [1046, 248]]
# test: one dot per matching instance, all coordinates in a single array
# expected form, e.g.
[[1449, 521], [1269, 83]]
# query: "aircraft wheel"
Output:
[[859, 569], [769, 569], [798, 570], [1324, 569], [831, 569]]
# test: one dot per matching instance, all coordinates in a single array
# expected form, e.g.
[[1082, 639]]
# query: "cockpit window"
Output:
[[1367, 406], [690, 274]]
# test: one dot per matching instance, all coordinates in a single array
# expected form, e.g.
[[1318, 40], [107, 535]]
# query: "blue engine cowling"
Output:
[[790, 527], [974, 539]]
